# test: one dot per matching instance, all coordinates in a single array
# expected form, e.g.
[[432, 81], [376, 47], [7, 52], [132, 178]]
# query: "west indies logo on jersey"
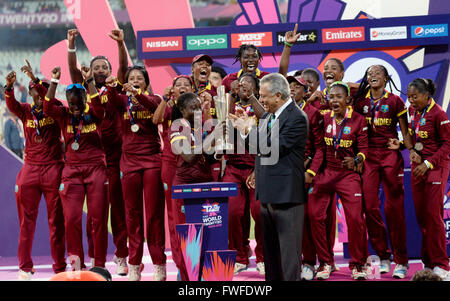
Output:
[[384, 108], [211, 214], [347, 130]]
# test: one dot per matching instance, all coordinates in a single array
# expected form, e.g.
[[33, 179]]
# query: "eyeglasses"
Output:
[[73, 86]]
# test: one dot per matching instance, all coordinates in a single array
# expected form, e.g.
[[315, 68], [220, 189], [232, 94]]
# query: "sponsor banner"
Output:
[[306, 37], [343, 34], [314, 36], [429, 31], [162, 44], [259, 39], [388, 33], [218, 41]]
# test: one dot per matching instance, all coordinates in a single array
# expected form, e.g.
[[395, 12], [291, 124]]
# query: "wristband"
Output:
[[72, 50], [166, 99], [89, 80], [287, 44], [428, 164], [357, 160], [55, 80]]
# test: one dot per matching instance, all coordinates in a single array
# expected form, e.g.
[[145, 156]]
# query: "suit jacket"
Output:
[[283, 181]]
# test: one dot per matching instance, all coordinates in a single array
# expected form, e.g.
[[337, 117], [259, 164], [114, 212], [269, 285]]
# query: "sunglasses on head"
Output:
[[73, 86]]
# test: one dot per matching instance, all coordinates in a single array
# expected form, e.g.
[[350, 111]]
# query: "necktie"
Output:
[[271, 121]]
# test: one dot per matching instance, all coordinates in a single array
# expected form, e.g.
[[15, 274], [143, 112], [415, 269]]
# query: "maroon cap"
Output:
[[201, 57], [297, 79]]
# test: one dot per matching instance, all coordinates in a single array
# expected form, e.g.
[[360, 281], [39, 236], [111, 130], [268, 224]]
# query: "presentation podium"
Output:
[[204, 237]]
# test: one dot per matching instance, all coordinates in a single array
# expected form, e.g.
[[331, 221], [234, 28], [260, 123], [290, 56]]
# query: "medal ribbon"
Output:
[[337, 141], [77, 131], [36, 118], [130, 110], [375, 109], [416, 129]]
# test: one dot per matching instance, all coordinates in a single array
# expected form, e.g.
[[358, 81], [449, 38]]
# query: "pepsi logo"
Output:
[[419, 31]]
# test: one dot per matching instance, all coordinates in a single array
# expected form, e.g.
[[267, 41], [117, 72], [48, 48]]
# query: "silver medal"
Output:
[[134, 128], [418, 146], [75, 146]]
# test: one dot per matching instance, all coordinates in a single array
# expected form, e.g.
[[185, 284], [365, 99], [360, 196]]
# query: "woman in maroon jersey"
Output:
[[187, 133], [313, 161], [140, 167], [249, 57], [40, 174], [346, 148], [239, 166], [84, 173], [163, 115], [383, 111], [429, 131], [111, 139]]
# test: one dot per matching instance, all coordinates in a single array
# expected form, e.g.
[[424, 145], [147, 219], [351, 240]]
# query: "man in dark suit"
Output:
[[279, 142]]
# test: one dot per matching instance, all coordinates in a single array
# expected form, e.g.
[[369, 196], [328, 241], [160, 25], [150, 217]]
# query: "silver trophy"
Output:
[[221, 102]]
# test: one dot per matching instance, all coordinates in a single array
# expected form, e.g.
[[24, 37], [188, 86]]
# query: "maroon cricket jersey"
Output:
[[111, 129], [167, 153], [245, 159], [227, 80], [385, 112], [212, 90], [354, 139], [137, 146], [433, 131], [314, 145], [45, 148], [90, 149], [189, 172]]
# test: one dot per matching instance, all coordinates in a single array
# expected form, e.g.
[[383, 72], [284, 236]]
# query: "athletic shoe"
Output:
[[443, 274], [367, 268], [25, 275], [307, 272], [92, 262], [358, 273], [385, 266], [239, 267], [400, 271], [160, 272], [334, 268], [122, 267], [323, 272], [135, 272], [261, 268]]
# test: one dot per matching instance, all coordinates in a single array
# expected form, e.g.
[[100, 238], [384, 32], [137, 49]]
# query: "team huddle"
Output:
[[114, 146]]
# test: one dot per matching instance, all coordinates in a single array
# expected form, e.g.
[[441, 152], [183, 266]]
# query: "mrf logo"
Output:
[[211, 214]]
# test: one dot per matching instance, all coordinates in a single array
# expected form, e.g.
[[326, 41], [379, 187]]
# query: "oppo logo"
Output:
[[218, 41]]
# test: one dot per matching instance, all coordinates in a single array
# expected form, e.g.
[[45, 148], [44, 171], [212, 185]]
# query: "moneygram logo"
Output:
[[344, 34], [429, 31], [306, 37], [388, 33], [218, 41], [162, 44], [259, 39]]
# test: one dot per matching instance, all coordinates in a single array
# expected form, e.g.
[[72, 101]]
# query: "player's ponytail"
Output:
[[424, 85]]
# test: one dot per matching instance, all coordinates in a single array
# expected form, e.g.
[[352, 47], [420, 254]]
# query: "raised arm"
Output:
[[51, 108], [95, 102], [38, 84], [118, 36], [289, 39], [75, 73], [13, 105]]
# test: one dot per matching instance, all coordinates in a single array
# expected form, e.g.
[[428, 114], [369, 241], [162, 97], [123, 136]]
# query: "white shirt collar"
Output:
[[281, 109]]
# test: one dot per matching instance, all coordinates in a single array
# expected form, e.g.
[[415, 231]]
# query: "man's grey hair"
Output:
[[277, 84]]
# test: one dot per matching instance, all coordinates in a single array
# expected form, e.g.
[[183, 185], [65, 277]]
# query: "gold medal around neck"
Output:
[[37, 139]]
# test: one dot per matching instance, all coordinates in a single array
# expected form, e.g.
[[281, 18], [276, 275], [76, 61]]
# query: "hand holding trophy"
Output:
[[221, 102]]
